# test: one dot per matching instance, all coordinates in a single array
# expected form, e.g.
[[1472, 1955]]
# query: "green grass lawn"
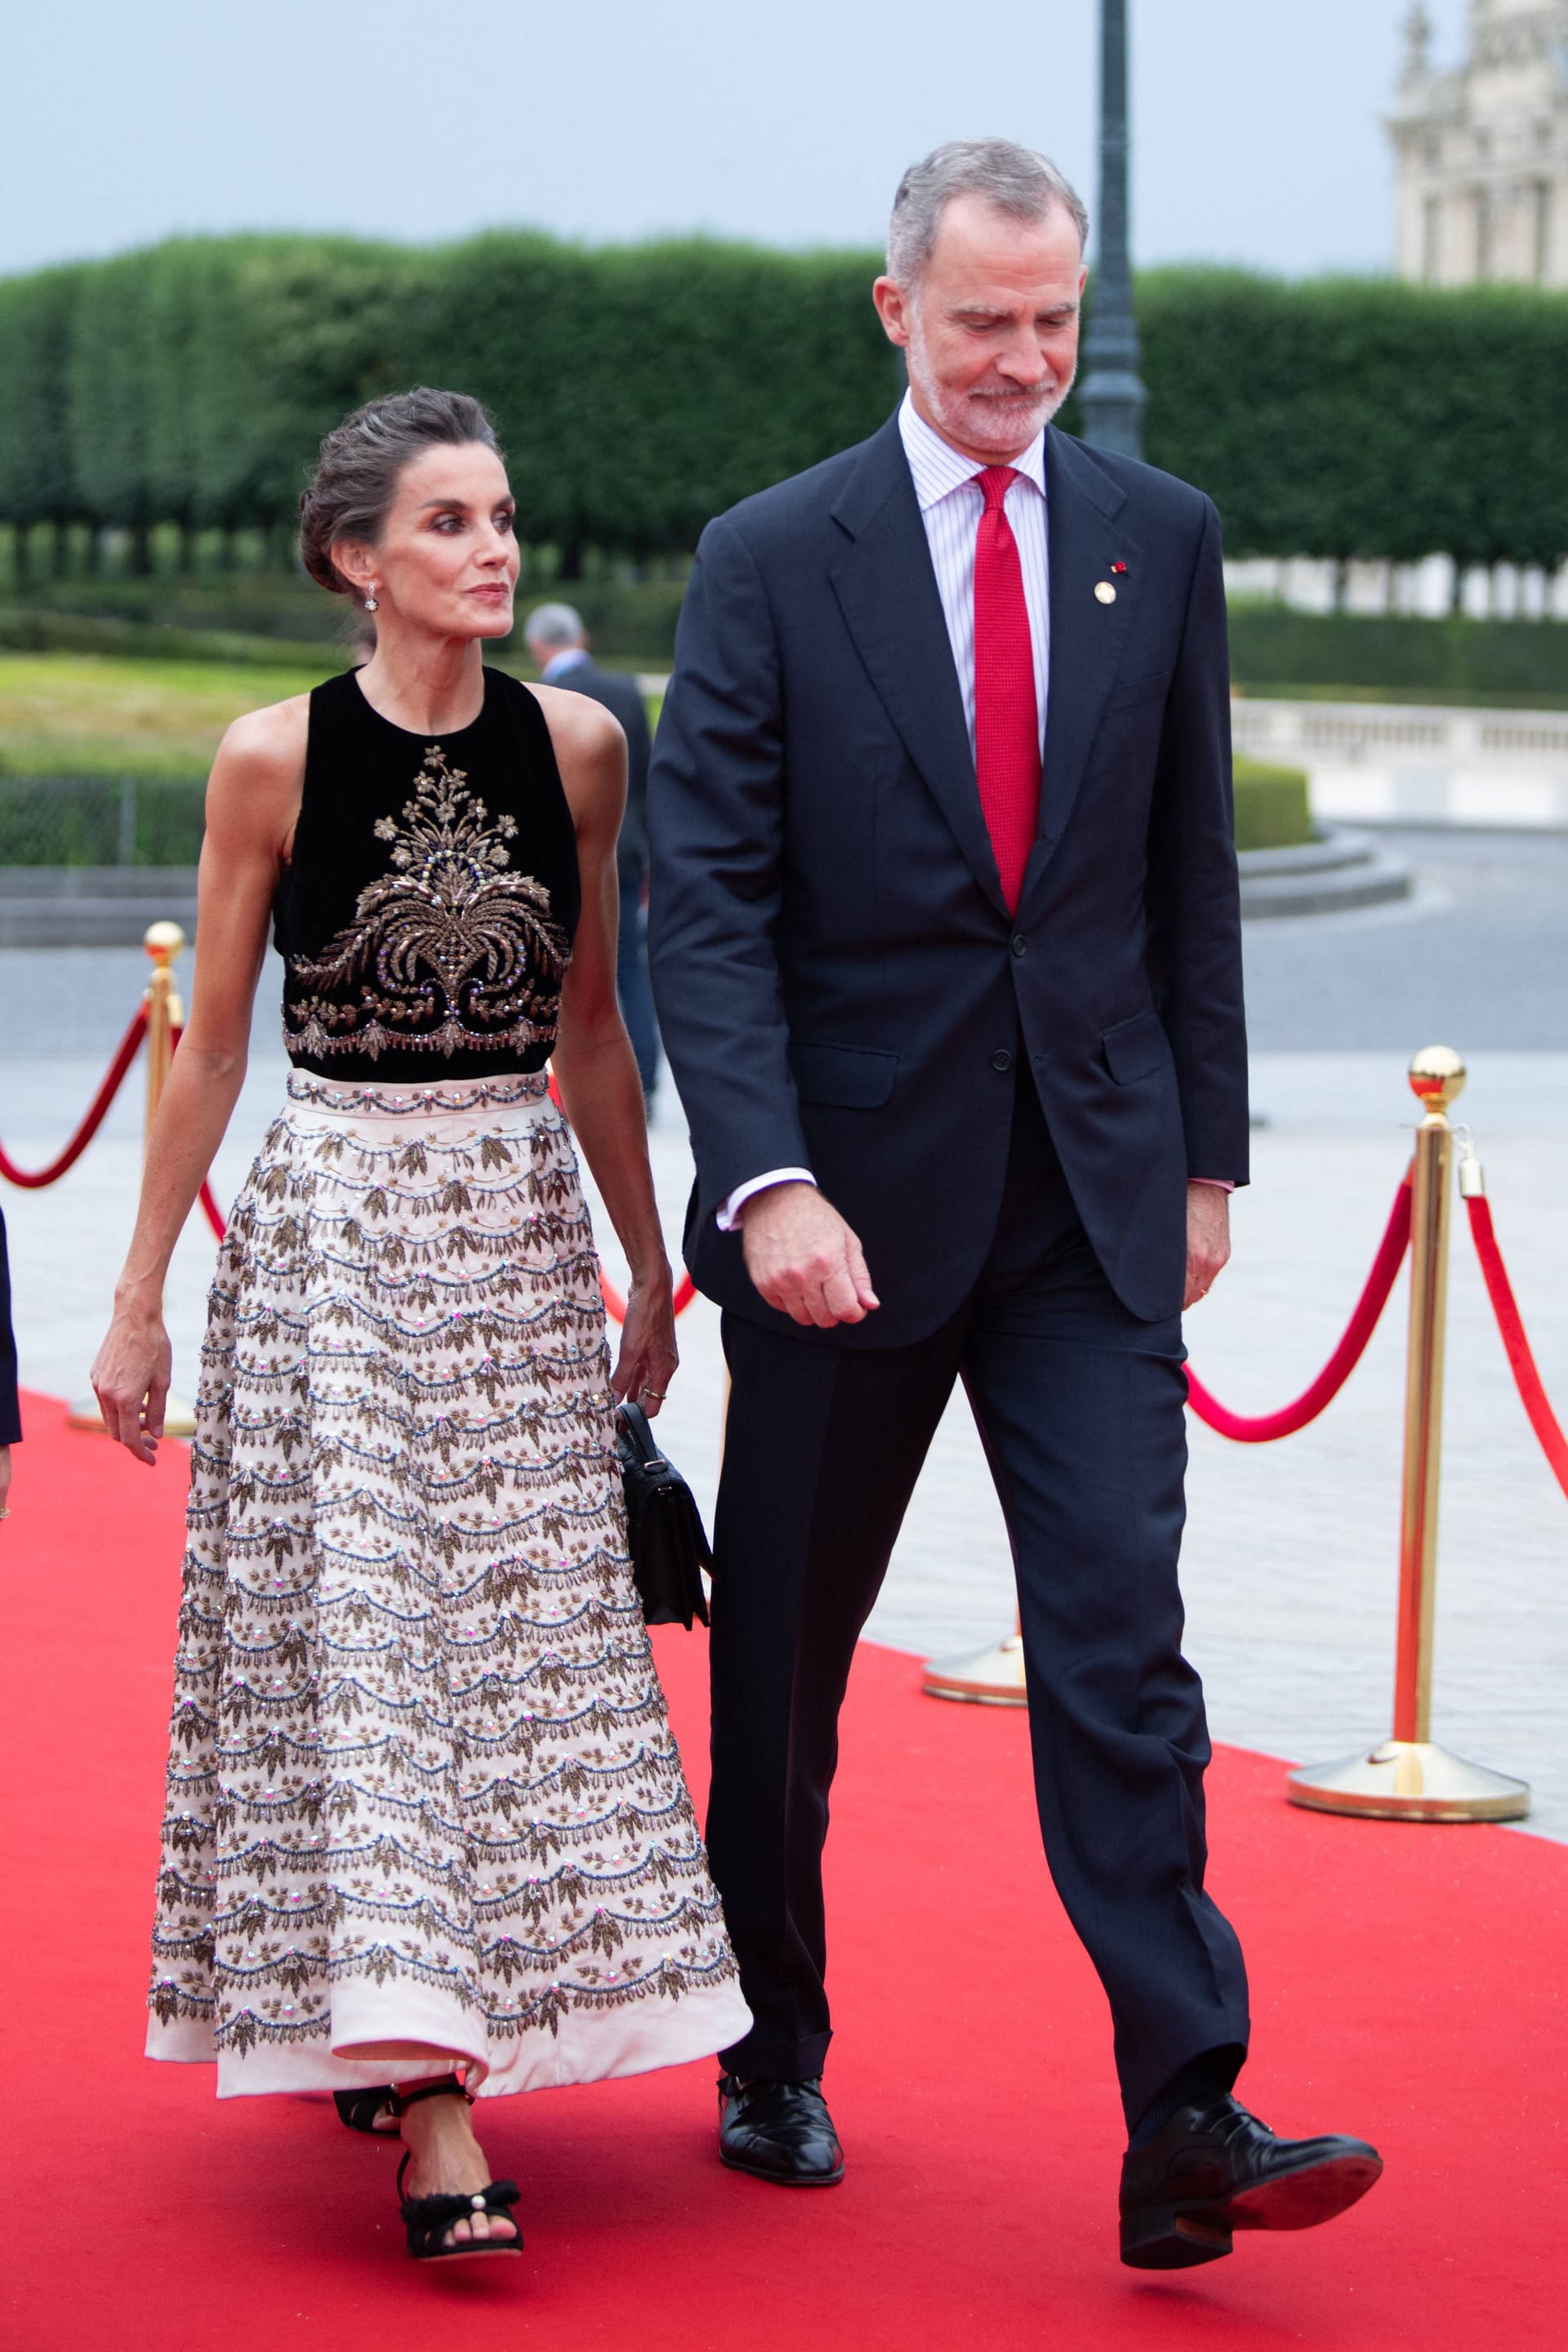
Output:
[[106, 715], [92, 715]]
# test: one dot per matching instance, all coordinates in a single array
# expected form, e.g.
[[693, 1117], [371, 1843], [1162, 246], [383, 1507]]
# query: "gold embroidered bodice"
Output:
[[455, 905]]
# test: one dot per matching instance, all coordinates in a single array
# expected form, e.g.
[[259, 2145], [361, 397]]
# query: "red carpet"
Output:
[[1408, 1985]]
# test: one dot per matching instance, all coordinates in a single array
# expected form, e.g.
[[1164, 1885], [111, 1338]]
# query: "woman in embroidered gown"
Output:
[[425, 1823]]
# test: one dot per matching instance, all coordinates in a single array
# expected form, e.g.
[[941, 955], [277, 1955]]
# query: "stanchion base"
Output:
[[179, 1421], [1410, 1780], [993, 1677]]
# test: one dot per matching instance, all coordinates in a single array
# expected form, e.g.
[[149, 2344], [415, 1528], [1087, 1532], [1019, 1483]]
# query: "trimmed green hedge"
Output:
[[633, 621], [627, 618], [1459, 659], [637, 389], [39, 478], [640, 389], [1272, 810], [29, 630], [86, 821], [1360, 416], [92, 819], [243, 603]]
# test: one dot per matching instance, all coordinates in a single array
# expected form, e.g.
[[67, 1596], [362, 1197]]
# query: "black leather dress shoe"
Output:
[[1213, 2169], [780, 2131]]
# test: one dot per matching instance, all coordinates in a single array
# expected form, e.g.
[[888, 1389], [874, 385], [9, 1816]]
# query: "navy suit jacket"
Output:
[[840, 984]]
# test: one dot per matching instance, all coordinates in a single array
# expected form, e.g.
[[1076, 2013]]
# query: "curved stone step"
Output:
[[92, 905], [1336, 874], [112, 906]]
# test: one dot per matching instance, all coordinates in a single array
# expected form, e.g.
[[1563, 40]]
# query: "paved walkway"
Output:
[[1290, 1555]]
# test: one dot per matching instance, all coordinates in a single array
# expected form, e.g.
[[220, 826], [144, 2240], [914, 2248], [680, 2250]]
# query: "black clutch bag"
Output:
[[664, 1528]]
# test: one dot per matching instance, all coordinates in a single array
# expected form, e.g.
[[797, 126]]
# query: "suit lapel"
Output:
[[1089, 638], [887, 591]]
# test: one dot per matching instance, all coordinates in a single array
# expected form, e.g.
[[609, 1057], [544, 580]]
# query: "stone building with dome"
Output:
[[1482, 149]]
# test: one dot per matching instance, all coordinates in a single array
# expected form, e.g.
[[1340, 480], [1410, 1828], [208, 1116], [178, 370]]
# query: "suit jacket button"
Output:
[[1020, 944], [1002, 1059]]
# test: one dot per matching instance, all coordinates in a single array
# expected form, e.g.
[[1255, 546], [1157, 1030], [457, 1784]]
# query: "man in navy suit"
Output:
[[946, 948]]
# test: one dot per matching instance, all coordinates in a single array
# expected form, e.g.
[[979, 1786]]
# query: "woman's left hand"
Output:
[[5, 1482], [649, 1354]]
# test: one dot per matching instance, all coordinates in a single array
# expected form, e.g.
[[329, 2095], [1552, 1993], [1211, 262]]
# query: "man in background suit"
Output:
[[558, 642], [946, 948]]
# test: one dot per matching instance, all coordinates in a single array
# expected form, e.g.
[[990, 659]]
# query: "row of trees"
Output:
[[637, 389], [1346, 418], [640, 389]]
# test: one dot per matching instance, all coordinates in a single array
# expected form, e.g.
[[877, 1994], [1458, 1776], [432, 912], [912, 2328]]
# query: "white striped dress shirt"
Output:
[[951, 503]]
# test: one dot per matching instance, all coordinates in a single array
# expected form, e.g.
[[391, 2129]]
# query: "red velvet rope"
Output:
[[113, 1078], [616, 1306], [129, 1045], [1260, 1430], [214, 1216], [1527, 1380], [210, 1209]]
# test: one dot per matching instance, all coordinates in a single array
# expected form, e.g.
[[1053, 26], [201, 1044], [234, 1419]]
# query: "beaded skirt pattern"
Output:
[[422, 1788]]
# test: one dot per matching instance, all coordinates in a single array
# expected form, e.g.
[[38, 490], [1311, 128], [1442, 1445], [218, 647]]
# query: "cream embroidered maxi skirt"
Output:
[[421, 1782]]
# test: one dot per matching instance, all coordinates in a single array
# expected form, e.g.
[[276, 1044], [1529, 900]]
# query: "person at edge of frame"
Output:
[[10, 1409], [946, 951]]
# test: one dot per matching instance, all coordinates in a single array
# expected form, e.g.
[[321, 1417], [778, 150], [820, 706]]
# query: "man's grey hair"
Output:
[[1022, 185], [554, 625]]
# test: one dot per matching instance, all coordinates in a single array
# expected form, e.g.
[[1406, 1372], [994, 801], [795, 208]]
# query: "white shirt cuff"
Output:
[[729, 1215], [1220, 1183]]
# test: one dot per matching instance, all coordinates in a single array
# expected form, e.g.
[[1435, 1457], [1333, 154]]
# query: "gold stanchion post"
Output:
[[1409, 1777], [165, 1015]]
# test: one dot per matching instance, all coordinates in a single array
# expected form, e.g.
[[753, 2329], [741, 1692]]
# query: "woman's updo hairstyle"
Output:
[[356, 475]]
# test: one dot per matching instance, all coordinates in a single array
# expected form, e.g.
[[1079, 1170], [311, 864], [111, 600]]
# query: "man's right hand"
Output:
[[803, 1257]]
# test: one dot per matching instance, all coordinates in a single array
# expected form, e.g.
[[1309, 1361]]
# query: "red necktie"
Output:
[[1006, 716]]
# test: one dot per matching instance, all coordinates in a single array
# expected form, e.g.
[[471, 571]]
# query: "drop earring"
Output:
[[371, 605]]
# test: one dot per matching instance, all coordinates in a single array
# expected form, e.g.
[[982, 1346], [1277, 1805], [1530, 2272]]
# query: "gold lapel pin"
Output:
[[1105, 591]]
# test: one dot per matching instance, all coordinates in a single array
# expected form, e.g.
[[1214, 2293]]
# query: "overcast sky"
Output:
[[1257, 122]]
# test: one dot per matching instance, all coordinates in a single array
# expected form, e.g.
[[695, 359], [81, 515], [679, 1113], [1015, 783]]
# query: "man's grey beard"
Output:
[[992, 419]]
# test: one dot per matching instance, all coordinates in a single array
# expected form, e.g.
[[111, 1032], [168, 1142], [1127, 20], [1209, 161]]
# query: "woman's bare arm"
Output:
[[253, 800], [593, 1064]]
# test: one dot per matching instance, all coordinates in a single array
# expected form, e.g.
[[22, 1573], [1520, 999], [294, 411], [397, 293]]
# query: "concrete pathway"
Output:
[[1290, 1557]]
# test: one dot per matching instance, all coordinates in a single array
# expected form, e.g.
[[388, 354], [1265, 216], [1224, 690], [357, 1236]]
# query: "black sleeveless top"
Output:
[[427, 915]]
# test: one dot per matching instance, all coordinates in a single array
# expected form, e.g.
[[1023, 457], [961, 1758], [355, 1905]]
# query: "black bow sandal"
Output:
[[378, 2110], [427, 2218]]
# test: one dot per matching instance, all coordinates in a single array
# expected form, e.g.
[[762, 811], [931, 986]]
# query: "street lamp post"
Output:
[[1112, 396]]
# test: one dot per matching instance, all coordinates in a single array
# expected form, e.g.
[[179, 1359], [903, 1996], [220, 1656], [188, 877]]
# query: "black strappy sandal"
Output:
[[429, 2218], [361, 2111]]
